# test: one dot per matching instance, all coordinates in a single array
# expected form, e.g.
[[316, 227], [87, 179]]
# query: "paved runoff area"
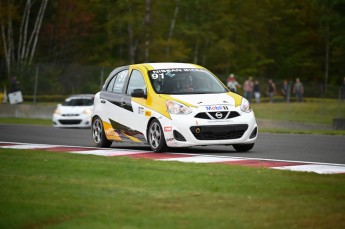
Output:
[[303, 166]]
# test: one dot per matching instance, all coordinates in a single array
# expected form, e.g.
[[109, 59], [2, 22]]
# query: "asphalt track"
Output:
[[293, 147]]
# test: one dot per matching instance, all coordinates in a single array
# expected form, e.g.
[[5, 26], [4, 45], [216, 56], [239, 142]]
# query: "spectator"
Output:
[[14, 86], [257, 93], [232, 83], [286, 90], [271, 90], [298, 90], [248, 89]]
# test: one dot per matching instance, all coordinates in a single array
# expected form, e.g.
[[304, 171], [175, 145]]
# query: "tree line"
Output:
[[279, 39]]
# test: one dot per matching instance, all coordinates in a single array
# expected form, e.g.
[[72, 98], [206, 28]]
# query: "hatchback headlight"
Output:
[[87, 111], [57, 111], [177, 108], [245, 106]]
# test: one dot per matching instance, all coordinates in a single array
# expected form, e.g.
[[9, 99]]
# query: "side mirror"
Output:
[[139, 93]]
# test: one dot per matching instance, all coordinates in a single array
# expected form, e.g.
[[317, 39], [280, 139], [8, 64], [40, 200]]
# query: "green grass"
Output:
[[55, 190], [26, 121], [314, 112]]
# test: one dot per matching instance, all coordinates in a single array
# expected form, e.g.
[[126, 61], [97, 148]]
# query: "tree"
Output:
[[21, 50]]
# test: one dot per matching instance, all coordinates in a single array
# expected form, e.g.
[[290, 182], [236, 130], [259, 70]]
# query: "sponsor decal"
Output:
[[167, 129], [217, 108], [162, 73], [140, 110], [148, 113], [158, 71]]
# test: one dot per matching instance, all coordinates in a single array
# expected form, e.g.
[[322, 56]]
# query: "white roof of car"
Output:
[[82, 96]]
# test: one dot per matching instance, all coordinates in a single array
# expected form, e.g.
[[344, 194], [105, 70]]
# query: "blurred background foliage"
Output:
[[72, 46]]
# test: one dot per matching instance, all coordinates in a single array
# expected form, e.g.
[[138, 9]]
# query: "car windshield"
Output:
[[78, 102], [185, 81]]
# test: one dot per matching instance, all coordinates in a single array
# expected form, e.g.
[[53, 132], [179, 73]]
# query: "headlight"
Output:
[[245, 106], [177, 108], [57, 111], [87, 111]]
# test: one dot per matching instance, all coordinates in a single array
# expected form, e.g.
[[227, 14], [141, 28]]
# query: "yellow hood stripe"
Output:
[[236, 97]]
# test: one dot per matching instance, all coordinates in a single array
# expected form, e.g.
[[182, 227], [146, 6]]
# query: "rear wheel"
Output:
[[98, 134], [243, 147], [156, 137]]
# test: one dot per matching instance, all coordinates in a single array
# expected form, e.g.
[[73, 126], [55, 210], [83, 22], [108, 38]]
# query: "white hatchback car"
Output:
[[74, 112], [171, 105]]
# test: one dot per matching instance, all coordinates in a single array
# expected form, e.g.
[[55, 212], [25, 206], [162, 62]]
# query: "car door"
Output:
[[132, 117], [111, 101]]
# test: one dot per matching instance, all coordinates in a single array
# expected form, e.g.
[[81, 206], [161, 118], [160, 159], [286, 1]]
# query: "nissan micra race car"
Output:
[[171, 105], [74, 112]]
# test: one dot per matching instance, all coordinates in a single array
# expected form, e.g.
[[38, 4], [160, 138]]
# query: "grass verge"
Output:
[[55, 190], [319, 112], [26, 121]]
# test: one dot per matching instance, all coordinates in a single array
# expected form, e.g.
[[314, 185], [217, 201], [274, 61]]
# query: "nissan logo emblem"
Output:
[[219, 115]]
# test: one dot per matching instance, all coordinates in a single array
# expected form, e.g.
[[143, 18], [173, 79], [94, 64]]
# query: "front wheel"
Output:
[[156, 137], [243, 147], [98, 134]]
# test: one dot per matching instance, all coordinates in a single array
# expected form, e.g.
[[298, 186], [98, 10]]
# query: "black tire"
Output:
[[243, 147], [155, 137], [98, 134]]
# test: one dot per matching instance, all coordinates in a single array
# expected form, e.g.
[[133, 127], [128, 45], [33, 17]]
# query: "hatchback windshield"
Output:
[[78, 102], [185, 81]]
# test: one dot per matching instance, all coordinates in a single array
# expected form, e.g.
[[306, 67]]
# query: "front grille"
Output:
[[223, 132], [217, 115], [233, 114], [70, 122], [202, 115], [70, 115]]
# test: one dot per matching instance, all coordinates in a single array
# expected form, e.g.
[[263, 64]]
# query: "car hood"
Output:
[[73, 109], [209, 99]]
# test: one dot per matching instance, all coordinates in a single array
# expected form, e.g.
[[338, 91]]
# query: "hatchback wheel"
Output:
[[156, 137], [98, 134]]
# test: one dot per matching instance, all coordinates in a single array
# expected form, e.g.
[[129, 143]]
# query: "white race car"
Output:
[[171, 105], [74, 112]]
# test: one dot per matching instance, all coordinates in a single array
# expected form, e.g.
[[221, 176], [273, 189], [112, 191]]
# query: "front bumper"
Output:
[[187, 130], [81, 121]]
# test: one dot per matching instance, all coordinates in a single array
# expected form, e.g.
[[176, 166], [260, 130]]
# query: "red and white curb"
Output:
[[320, 168]]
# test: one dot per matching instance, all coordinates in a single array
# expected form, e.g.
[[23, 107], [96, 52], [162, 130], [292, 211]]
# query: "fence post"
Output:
[[36, 82]]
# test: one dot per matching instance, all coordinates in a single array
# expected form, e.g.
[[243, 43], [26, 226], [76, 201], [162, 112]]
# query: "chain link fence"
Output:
[[53, 82]]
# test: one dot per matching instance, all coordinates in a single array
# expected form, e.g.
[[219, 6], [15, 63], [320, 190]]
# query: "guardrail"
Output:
[[26, 111]]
